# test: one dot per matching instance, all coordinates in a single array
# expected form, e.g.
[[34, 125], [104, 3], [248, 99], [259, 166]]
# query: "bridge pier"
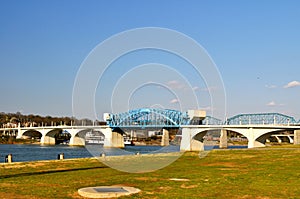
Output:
[[197, 145], [255, 144], [296, 137], [191, 141], [117, 140], [185, 144], [20, 133], [252, 143], [75, 139], [165, 138], [113, 139], [223, 139], [47, 140]]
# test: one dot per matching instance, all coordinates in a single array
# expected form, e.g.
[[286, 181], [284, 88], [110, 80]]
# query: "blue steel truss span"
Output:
[[149, 117], [261, 118]]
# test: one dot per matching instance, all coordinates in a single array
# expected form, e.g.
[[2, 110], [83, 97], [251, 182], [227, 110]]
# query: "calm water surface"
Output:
[[24, 152]]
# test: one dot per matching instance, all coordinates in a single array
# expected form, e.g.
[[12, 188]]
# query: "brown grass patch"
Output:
[[188, 186], [167, 188], [7, 185], [37, 164], [13, 166]]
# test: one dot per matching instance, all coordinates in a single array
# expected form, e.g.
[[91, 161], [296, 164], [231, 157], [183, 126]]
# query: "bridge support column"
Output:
[[76, 141], [190, 144], [47, 140], [197, 145], [165, 138], [252, 143], [255, 144], [112, 139], [296, 137], [117, 140], [223, 139], [20, 133], [185, 144]]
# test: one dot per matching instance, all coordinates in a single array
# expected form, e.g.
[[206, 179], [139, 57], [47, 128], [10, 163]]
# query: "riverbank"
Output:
[[248, 173], [13, 140]]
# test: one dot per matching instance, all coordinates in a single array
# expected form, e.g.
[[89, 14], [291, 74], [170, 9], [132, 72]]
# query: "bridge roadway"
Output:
[[192, 135]]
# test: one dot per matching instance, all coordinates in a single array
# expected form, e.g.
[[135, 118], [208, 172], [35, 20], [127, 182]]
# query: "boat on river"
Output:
[[128, 141]]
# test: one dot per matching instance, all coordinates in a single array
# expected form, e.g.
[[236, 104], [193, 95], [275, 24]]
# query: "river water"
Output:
[[27, 152]]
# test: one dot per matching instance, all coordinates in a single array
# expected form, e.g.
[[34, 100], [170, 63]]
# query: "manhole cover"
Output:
[[107, 191], [117, 189]]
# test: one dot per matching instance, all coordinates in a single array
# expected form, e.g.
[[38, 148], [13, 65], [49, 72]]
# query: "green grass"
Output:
[[263, 173]]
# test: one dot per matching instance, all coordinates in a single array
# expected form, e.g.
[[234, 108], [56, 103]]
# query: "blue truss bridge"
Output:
[[150, 117]]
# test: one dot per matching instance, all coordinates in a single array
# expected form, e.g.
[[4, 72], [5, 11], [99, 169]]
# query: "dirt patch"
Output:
[[230, 174], [37, 164], [252, 197], [179, 179], [7, 185], [188, 186], [12, 166], [228, 169], [165, 188]]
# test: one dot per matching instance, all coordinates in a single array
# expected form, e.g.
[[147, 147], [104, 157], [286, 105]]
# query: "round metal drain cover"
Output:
[[107, 191]]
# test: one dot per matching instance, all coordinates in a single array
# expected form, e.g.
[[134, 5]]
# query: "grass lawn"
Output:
[[253, 173]]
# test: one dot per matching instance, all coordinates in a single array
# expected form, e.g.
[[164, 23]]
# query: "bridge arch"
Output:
[[32, 134], [256, 136], [89, 136], [55, 136], [201, 133], [193, 138], [267, 136]]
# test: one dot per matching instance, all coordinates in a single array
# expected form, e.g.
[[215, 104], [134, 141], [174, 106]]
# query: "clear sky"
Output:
[[255, 45]]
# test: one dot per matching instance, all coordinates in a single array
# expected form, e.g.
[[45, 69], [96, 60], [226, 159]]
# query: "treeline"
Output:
[[13, 119]]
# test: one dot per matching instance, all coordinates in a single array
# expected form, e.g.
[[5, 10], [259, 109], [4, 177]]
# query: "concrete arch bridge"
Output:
[[73, 135], [257, 128], [193, 124]]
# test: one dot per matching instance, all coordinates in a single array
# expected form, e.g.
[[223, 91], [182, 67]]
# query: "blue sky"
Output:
[[255, 45]]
